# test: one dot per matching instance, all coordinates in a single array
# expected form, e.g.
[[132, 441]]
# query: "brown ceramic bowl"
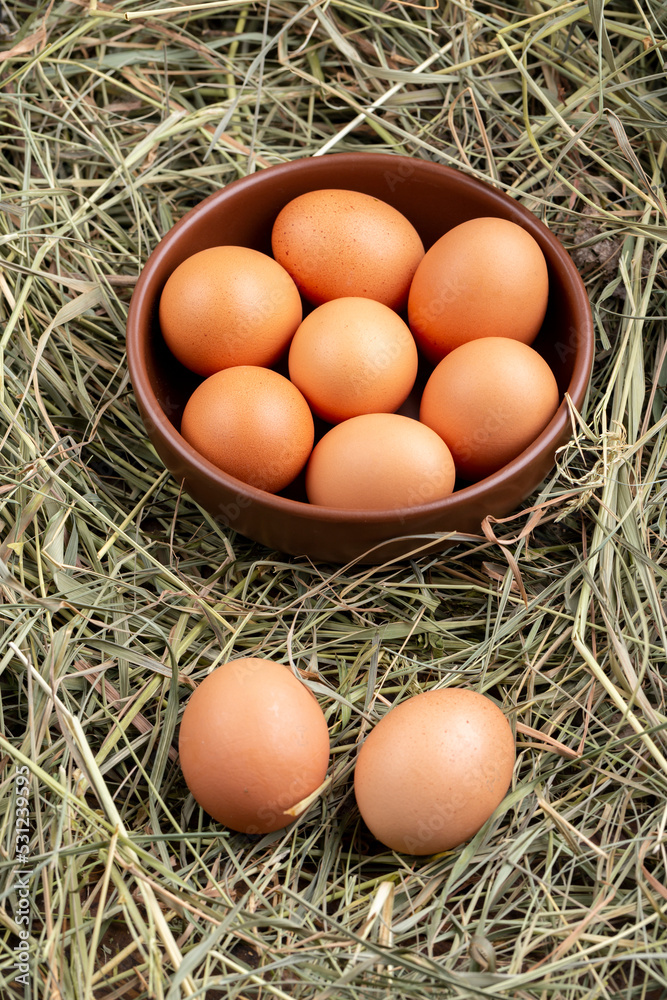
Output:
[[434, 198]]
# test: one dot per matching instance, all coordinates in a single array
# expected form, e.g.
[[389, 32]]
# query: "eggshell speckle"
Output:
[[353, 356], [379, 461], [227, 306], [338, 243], [488, 400], [486, 277], [433, 770], [253, 743], [252, 423]]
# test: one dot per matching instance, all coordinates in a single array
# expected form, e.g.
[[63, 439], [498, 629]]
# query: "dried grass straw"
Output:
[[119, 594]]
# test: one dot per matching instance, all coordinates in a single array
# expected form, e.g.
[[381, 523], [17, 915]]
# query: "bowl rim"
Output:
[[547, 441]]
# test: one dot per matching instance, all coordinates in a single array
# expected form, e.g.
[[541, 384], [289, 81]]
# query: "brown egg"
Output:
[[352, 356], [485, 278], [253, 424], [379, 461], [229, 306], [488, 400], [253, 743], [339, 243], [433, 770]]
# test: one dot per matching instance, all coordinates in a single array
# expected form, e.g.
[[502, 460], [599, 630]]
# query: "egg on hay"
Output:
[[433, 770], [253, 744]]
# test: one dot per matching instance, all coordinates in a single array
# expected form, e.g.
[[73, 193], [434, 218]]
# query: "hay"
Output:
[[119, 593]]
